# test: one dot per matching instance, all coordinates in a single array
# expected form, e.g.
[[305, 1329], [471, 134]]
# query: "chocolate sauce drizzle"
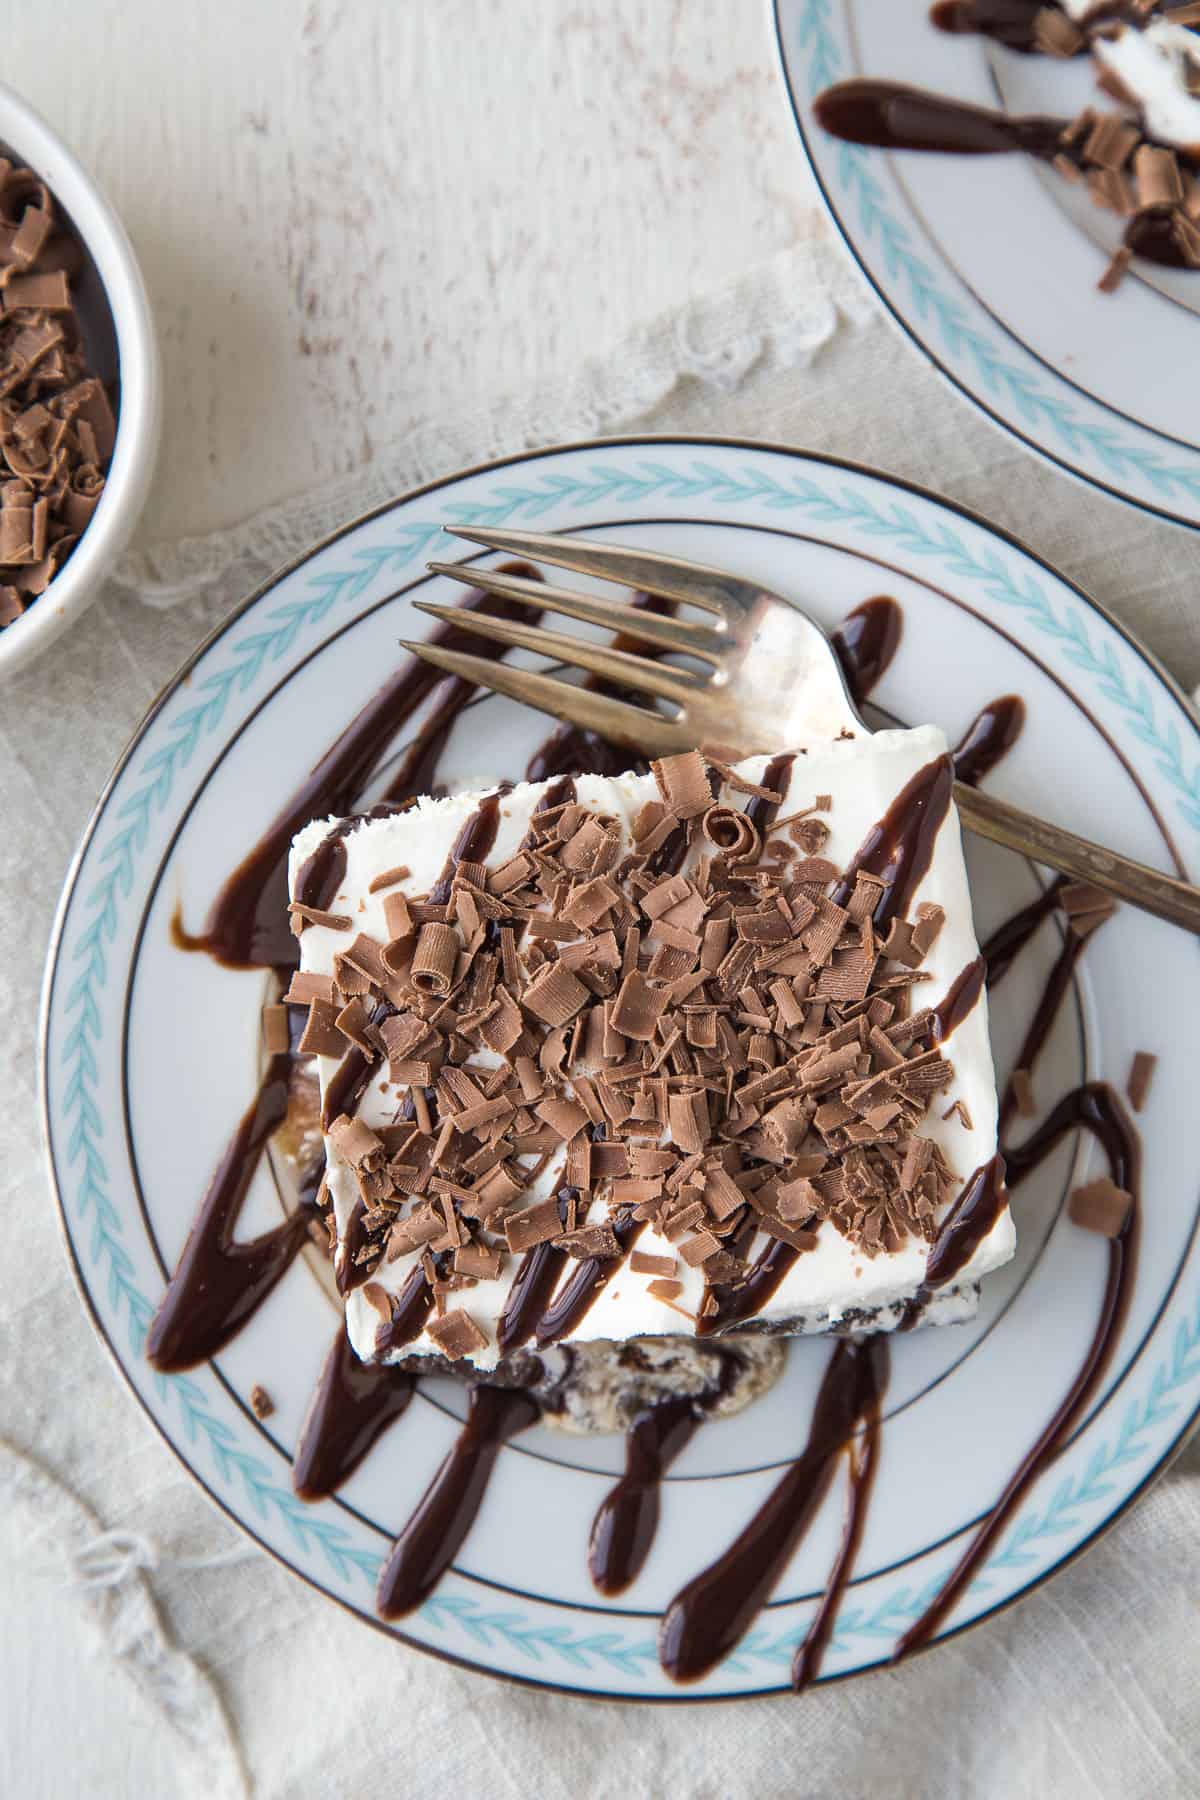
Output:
[[472, 844], [354, 1404], [865, 643], [1009, 939], [248, 925], [968, 1222], [738, 1300], [533, 1287], [567, 1312], [1094, 1108], [890, 115], [1057, 983], [958, 1002], [436, 1531], [707, 1619], [898, 850], [624, 1528], [1011, 22], [219, 1283], [863, 1457], [988, 738], [625, 1525], [410, 1309]]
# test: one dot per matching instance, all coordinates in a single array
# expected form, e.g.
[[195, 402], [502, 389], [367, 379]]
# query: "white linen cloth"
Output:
[[1088, 1687]]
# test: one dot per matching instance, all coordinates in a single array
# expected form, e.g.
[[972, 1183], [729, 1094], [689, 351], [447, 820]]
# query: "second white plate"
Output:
[[990, 263]]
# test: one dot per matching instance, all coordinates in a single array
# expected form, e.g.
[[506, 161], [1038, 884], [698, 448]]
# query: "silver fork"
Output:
[[773, 682]]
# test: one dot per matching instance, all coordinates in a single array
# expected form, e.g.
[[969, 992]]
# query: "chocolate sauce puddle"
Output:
[[708, 1618], [1094, 1108], [353, 1406], [437, 1529]]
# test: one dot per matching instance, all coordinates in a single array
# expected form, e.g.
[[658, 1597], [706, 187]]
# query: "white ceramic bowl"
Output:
[[115, 314]]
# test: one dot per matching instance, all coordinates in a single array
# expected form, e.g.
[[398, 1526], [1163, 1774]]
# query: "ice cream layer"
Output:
[[660, 1055]]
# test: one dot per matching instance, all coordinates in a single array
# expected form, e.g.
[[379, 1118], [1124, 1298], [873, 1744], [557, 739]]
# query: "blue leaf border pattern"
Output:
[[1040, 407], [98, 1229]]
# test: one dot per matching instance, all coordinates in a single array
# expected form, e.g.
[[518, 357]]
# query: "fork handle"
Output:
[[1045, 843]]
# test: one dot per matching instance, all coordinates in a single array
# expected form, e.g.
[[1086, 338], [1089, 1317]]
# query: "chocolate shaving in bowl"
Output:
[[57, 428]]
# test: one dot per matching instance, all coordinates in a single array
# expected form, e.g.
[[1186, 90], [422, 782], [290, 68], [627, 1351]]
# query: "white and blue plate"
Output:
[[150, 1056], [990, 263]]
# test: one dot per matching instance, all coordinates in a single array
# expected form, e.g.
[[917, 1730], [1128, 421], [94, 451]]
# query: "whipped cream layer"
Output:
[[1154, 64], [833, 1284]]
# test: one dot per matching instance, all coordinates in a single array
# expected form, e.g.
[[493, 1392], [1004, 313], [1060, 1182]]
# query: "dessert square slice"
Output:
[[690, 1052]]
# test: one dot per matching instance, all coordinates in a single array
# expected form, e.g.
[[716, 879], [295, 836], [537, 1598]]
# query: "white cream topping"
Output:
[[863, 775], [1152, 65]]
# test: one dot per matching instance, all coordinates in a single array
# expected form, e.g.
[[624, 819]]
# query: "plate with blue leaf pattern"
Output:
[[990, 264], [149, 1056]]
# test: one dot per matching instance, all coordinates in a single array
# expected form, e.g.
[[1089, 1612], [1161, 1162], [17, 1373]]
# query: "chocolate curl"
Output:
[[31, 234], [730, 832], [16, 524], [555, 995], [435, 958], [683, 783], [355, 1142], [87, 404], [397, 919], [19, 190], [82, 497], [47, 292]]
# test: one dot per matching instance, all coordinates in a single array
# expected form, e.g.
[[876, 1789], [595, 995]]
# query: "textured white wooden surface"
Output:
[[350, 214]]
